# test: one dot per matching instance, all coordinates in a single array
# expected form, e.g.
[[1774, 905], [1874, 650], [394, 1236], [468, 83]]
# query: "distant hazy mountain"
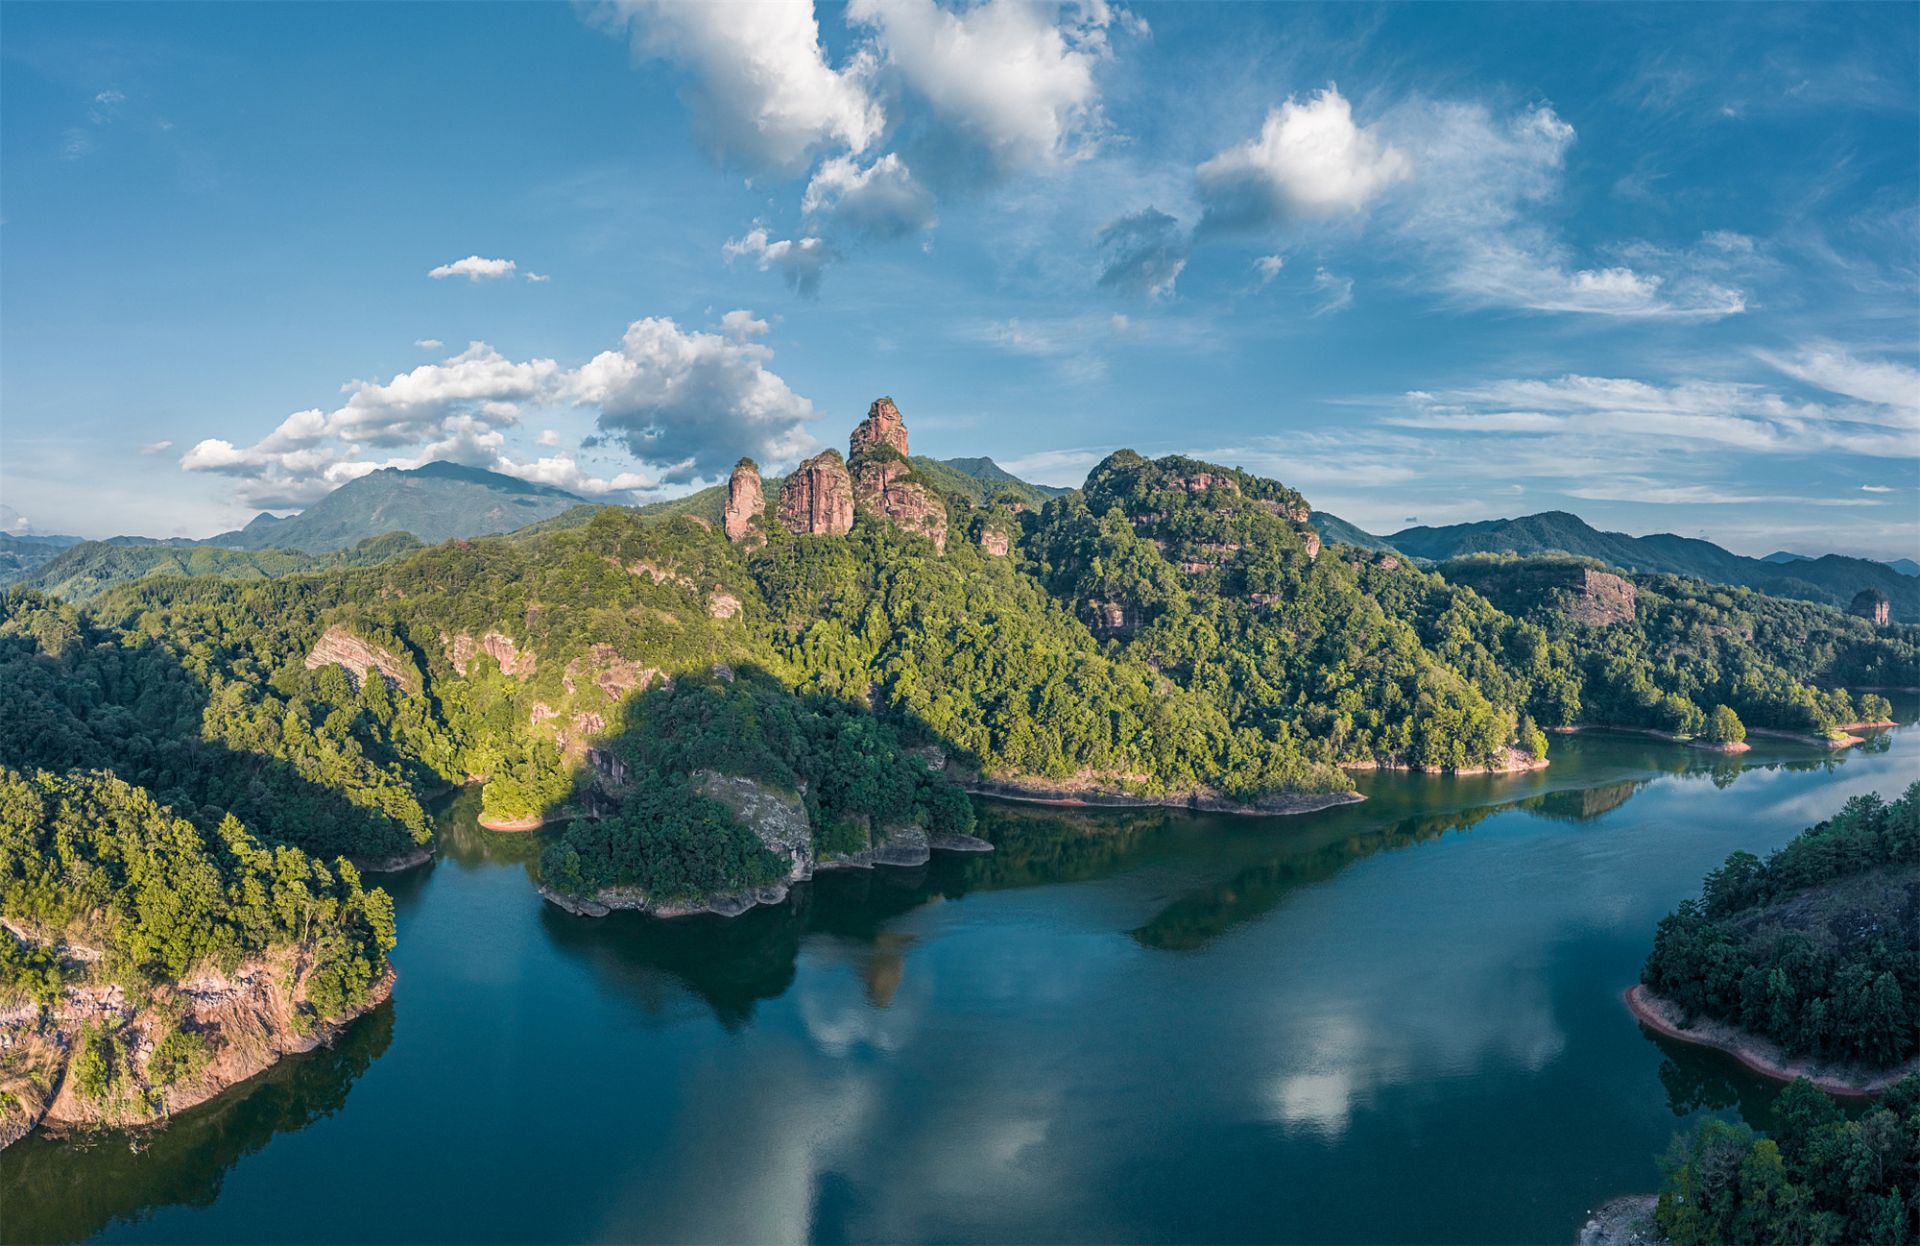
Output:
[[20, 556], [1831, 579], [1905, 566], [1336, 530], [990, 475], [434, 503], [82, 572]]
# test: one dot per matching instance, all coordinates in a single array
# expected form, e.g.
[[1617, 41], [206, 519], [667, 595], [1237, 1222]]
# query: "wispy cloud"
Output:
[[474, 268]]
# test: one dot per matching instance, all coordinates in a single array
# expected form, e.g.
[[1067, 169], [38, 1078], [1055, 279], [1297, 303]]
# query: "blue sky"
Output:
[[1658, 266]]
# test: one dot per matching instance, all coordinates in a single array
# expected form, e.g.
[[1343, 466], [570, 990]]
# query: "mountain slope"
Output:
[[435, 503], [1337, 531], [89, 569], [1832, 579]]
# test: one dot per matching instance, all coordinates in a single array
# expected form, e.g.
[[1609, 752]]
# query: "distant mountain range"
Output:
[[434, 503], [443, 501], [1831, 579]]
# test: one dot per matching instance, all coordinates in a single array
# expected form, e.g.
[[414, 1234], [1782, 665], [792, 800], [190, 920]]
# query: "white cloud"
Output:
[[688, 402], [1876, 489], [538, 277], [799, 260], [1269, 266], [762, 89], [1471, 223], [880, 201], [1894, 386], [1336, 293], [429, 343], [156, 447], [13, 523], [693, 402], [1145, 254], [1309, 160], [474, 268], [1012, 80]]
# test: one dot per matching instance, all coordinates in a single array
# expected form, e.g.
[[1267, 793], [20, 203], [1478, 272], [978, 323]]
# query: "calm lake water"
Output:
[[1396, 1021]]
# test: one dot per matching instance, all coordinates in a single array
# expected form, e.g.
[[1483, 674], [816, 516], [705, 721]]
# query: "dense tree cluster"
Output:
[[1818, 946], [1820, 1177], [96, 861]]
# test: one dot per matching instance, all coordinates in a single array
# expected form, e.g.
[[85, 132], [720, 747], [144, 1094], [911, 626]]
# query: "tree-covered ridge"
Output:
[[1818, 946], [1820, 1176], [1691, 647], [89, 860], [83, 572]]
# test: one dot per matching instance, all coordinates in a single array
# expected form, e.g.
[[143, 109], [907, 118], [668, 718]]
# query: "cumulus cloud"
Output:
[[474, 268], [1309, 160], [881, 200], [799, 260], [688, 402], [1269, 266], [13, 523], [694, 402], [761, 89], [1013, 80], [1144, 254]]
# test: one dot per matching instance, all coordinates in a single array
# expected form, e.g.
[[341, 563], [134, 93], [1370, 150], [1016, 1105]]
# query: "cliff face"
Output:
[[1601, 598], [817, 499], [339, 647], [745, 501], [882, 427], [1581, 593], [498, 648], [882, 476], [1871, 605]]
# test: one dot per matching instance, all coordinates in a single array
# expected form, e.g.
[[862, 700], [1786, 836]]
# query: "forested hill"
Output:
[[437, 502], [1833, 579]]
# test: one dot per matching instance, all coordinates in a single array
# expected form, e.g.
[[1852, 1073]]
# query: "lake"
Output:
[[1393, 1021]]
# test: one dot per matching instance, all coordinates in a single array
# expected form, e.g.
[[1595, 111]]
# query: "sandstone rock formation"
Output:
[[606, 670], [818, 498], [723, 605], [1113, 618], [745, 502], [339, 647], [1601, 598], [882, 484], [500, 648], [882, 427], [1871, 604], [995, 542]]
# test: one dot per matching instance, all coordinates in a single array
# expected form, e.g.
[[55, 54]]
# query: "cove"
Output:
[[1390, 1021]]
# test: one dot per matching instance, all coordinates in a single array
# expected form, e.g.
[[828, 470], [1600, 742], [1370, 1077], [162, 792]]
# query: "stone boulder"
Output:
[[882, 427], [775, 816], [817, 500], [746, 499]]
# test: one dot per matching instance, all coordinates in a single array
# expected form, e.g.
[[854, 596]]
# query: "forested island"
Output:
[[199, 768]]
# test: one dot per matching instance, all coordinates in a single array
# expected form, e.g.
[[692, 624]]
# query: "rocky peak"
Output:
[[745, 502], [882, 427], [882, 485], [1872, 605], [818, 498]]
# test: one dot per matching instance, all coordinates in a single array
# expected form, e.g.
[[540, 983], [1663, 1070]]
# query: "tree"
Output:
[[1725, 727]]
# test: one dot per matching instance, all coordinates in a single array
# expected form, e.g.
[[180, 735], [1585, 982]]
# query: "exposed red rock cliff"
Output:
[[339, 647], [1872, 605], [880, 487], [818, 498], [882, 427], [745, 501]]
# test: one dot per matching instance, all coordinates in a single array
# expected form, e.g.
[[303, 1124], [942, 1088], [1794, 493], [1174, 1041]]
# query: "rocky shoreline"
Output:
[[1623, 1221], [1762, 1055], [419, 854], [248, 1016]]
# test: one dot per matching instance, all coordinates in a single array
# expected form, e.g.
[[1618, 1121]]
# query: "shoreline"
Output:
[[1198, 802], [1761, 1055], [419, 854]]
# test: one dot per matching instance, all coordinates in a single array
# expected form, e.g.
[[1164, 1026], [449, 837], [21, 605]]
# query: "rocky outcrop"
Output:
[[1113, 618], [722, 605], [499, 648], [882, 486], [246, 1019], [1601, 598], [339, 647], [746, 500], [1872, 605], [1312, 541], [1200, 482], [882, 427], [606, 670], [995, 542], [817, 500], [1582, 593]]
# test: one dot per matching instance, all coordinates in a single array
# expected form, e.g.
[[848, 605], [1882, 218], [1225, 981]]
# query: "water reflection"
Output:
[[58, 1191]]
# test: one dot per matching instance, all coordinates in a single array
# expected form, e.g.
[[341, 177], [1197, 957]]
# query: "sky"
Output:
[[1659, 266]]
